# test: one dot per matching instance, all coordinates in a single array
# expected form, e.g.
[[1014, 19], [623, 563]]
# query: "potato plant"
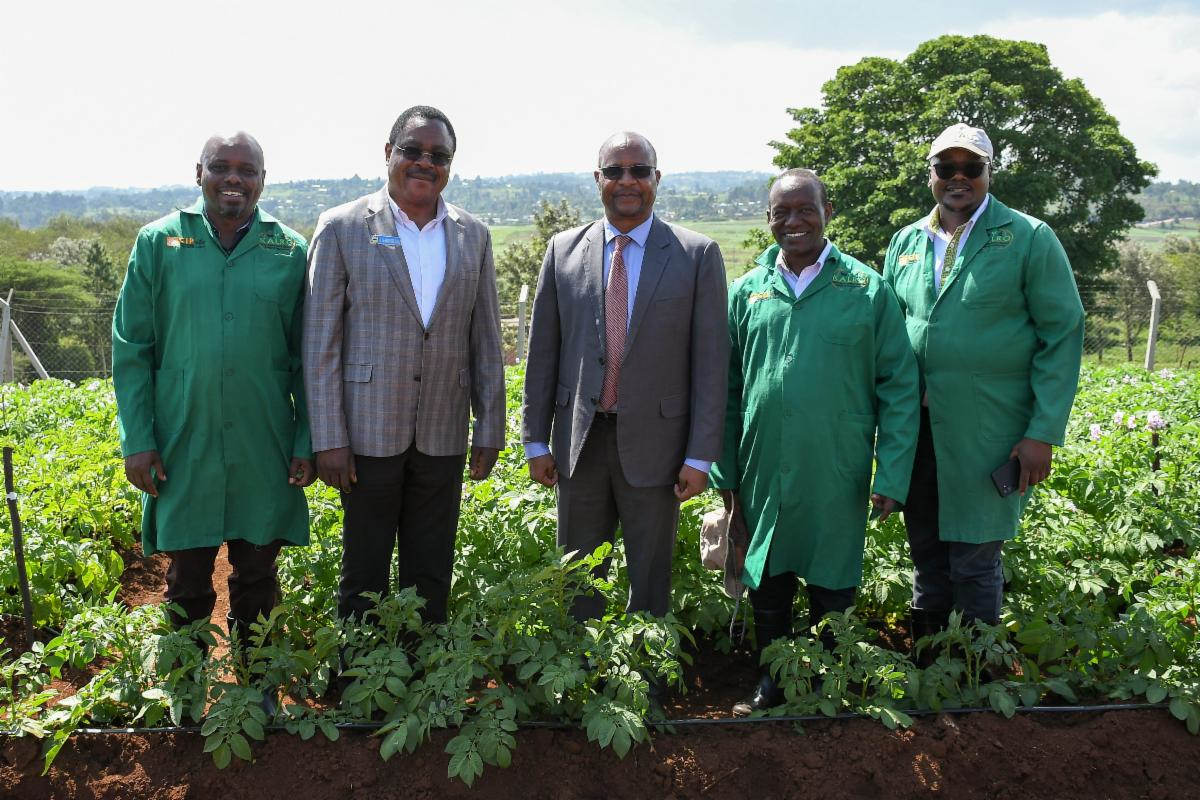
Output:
[[1101, 600]]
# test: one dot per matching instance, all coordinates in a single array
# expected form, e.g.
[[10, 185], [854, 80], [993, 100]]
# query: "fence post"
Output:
[[1155, 312], [522, 304], [7, 373]]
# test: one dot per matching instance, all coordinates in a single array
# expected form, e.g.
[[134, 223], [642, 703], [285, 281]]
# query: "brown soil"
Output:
[[1117, 754]]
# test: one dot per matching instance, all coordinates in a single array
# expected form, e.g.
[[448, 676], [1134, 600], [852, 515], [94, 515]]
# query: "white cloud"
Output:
[[1144, 67], [125, 94]]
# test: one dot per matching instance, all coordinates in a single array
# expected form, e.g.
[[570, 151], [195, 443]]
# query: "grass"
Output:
[[1157, 234], [729, 234]]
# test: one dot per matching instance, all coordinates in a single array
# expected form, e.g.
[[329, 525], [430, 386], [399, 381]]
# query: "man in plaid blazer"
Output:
[[401, 343]]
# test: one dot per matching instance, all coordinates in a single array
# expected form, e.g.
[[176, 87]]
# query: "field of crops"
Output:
[[1103, 586]]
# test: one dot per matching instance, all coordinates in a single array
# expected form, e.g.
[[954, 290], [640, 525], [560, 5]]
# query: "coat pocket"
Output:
[[170, 404], [356, 373], [674, 406], [1004, 404], [855, 444], [563, 397]]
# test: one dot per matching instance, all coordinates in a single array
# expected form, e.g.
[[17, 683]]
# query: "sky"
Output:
[[124, 94]]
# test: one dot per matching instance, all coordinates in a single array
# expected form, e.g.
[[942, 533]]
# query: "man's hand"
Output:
[[301, 472], [336, 468], [691, 483], [142, 468], [543, 470], [482, 461], [882, 507], [1035, 460]]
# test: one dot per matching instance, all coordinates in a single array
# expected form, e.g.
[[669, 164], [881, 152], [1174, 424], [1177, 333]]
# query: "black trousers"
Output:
[[407, 503], [965, 576], [253, 583], [777, 592]]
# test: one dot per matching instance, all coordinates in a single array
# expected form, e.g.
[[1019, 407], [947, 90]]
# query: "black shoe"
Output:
[[766, 695], [922, 623]]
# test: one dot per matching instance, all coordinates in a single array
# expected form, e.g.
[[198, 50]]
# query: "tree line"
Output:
[[1060, 156]]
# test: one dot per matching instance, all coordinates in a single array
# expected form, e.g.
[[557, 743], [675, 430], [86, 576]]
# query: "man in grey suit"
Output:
[[401, 343], [625, 380]]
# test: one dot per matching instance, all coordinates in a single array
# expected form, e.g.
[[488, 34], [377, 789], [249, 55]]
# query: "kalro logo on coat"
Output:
[[277, 242], [999, 237]]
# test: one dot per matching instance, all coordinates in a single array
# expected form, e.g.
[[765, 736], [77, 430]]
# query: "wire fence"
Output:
[[72, 340]]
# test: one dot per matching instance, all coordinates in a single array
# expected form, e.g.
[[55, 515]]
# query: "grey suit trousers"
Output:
[[592, 501]]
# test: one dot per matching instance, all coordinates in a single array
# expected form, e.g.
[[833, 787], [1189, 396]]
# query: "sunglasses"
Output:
[[638, 171], [970, 169], [416, 154]]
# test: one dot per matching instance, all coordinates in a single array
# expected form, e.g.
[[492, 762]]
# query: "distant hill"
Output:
[[508, 200]]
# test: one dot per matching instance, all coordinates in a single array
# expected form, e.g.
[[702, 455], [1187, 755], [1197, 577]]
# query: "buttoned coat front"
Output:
[[819, 386], [672, 383], [378, 379], [999, 350], [206, 370]]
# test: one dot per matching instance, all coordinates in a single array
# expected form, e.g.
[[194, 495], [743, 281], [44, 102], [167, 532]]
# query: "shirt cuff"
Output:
[[535, 449], [695, 463]]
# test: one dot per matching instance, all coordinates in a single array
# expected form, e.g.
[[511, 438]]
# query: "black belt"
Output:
[[611, 416]]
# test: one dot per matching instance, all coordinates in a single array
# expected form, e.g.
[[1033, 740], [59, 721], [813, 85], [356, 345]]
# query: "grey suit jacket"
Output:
[[671, 402], [376, 379]]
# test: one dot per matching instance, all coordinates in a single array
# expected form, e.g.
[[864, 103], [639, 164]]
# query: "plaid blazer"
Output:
[[376, 378]]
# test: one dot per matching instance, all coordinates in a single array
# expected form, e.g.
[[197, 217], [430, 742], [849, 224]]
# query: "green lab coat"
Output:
[[206, 367], [999, 351], [811, 379]]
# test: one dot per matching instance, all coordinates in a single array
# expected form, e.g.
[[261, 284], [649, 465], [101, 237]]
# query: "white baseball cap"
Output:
[[962, 135]]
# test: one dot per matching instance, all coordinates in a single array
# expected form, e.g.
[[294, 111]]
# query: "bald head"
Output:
[[625, 140], [795, 178], [218, 141], [230, 174]]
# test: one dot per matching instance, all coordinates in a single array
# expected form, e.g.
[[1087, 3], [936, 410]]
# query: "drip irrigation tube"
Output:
[[667, 723]]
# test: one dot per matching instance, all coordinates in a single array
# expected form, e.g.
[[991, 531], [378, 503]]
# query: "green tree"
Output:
[[520, 262], [1181, 312], [1060, 155]]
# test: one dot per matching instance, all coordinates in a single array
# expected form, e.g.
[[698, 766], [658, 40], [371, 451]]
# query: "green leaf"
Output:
[[221, 756], [1155, 693], [253, 728], [1179, 708], [239, 746]]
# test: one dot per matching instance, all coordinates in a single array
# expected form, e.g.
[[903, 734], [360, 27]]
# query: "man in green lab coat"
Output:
[[821, 379], [206, 367], [996, 323]]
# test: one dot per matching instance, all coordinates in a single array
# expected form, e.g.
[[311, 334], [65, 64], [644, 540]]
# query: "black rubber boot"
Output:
[[239, 642], [769, 625], [922, 623]]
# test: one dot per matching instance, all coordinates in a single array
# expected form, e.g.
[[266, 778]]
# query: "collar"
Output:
[[932, 223], [819, 263], [400, 216], [638, 234]]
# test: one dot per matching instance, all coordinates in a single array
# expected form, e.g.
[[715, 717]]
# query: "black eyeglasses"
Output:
[[639, 171], [416, 154], [970, 169]]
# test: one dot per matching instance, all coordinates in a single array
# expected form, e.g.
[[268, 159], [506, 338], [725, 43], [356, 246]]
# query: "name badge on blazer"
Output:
[[909, 258], [386, 241]]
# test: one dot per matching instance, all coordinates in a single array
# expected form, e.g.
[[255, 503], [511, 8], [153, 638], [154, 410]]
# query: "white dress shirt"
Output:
[[941, 240], [425, 255], [800, 281]]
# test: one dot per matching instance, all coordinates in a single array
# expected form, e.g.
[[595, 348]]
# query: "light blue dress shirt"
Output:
[[633, 253]]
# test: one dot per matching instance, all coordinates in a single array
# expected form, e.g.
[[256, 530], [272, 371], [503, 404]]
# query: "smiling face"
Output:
[[959, 195], [797, 218], [231, 176], [628, 201], [416, 185]]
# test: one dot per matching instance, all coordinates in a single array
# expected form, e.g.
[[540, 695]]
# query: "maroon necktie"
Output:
[[616, 322]]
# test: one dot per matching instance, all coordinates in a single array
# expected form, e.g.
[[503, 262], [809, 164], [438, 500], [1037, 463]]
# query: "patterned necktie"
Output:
[[935, 222], [616, 323]]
